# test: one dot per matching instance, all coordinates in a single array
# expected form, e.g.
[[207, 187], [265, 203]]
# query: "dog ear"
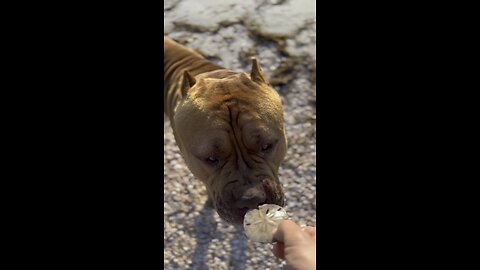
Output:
[[257, 74], [187, 82]]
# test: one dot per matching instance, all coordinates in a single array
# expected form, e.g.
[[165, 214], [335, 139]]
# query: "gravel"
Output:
[[194, 235]]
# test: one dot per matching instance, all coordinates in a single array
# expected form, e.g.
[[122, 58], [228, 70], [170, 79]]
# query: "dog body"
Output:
[[229, 127]]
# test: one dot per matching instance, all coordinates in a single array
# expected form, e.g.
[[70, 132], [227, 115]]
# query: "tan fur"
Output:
[[229, 116]]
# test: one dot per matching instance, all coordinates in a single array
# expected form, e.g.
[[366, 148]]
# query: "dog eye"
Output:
[[266, 147], [212, 160]]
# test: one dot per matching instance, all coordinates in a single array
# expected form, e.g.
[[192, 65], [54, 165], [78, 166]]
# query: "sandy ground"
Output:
[[281, 34]]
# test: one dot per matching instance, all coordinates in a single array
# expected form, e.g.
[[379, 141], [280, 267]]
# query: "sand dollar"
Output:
[[259, 223]]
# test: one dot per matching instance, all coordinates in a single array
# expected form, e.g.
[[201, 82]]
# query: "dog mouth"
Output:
[[226, 209]]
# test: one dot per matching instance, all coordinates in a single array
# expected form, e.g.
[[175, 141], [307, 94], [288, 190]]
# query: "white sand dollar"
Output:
[[259, 223]]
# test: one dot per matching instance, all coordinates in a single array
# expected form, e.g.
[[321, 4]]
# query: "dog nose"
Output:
[[251, 198]]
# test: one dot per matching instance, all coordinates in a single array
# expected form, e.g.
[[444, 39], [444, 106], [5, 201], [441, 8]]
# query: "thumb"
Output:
[[287, 231]]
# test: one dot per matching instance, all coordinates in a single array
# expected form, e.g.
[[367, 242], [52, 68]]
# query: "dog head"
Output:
[[230, 129]]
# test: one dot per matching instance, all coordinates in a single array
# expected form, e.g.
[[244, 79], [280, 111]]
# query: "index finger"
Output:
[[312, 231]]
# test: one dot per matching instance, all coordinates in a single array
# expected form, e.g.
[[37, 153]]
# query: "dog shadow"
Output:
[[205, 230], [239, 247]]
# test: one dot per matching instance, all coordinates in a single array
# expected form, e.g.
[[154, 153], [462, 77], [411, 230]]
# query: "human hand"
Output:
[[296, 245]]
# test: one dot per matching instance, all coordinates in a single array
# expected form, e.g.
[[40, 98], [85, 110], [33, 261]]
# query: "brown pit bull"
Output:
[[229, 127]]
